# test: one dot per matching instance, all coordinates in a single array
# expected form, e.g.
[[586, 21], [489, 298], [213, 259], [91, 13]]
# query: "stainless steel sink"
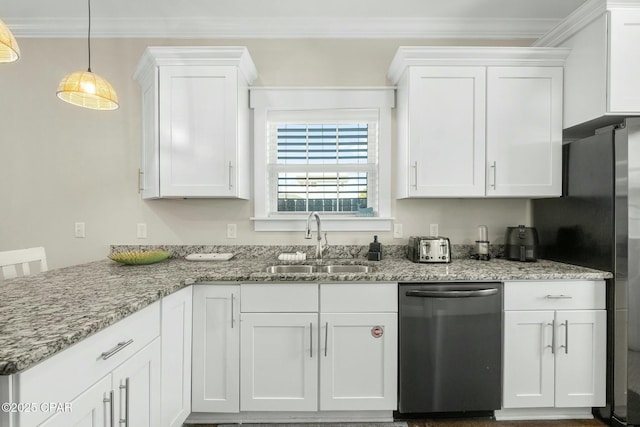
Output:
[[291, 269], [332, 268], [345, 268]]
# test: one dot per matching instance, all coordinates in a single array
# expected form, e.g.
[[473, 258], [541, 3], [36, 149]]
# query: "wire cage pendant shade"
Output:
[[86, 88], [9, 50]]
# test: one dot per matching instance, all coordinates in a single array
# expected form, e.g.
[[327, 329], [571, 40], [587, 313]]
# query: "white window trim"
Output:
[[263, 100]]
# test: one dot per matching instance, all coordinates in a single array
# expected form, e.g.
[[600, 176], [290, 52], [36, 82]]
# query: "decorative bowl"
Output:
[[139, 257]]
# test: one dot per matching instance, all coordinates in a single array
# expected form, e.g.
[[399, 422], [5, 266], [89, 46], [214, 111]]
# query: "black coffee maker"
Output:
[[521, 243]]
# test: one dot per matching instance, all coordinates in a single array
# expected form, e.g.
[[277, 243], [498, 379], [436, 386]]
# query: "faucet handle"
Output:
[[325, 245]]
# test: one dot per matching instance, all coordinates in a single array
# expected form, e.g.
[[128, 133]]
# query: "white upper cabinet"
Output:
[[476, 122], [444, 110], [195, 121], [524, 131], [602, 72]]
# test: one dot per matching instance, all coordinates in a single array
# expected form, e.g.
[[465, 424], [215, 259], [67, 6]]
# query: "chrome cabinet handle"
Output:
[[140, 180], [553, 337], [415, 172], [311, 339], [125, 387], [326, 337], [566, 337], [494, 170], [232, 298], [107, 354], [230, 175], [544, 325], [559, 296], [111, 410]]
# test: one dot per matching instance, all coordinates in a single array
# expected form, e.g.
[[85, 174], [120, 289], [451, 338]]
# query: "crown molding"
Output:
[[407, 56], [264, 27], [580, 18], [237, 56]]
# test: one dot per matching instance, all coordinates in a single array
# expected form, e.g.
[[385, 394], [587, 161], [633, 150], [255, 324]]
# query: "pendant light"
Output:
[[9, 50], [87, 89]]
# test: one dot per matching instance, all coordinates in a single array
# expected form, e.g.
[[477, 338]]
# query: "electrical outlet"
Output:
[[397, 231], [232, 231], [433, 230], [142, 230], [79, 229]]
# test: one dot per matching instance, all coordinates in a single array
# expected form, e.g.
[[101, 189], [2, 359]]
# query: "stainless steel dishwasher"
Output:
[[450, 347]]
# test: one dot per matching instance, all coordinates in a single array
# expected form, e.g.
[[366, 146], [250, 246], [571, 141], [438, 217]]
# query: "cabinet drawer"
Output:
[[359, 298], [279, 297], [66, 374], [554, 295]]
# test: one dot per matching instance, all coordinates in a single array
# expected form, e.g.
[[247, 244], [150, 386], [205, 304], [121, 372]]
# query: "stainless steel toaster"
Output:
[[429, 249]]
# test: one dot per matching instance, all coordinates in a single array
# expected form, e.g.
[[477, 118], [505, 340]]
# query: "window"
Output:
[[322, 165], [318, 150]]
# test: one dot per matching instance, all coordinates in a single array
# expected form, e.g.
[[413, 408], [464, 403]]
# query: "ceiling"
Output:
[[287, 18]]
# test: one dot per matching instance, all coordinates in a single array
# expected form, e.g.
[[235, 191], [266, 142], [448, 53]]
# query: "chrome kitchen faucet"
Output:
[[320, 248]]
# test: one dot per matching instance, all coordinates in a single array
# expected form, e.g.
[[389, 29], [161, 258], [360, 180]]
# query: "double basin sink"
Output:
[[329, 268]]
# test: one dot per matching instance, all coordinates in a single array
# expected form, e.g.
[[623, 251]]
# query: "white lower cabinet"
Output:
[[279, 362], [216, 349], [90, 409], [137, 388], [358, 361], [554, 345], [115, 371], [175, 331], [309, 347]]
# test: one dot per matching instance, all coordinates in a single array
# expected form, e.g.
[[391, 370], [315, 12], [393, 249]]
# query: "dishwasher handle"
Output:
[[453, 294]]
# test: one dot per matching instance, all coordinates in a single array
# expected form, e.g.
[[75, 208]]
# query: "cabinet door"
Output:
[[624, 63], [581, 358], [198, 122], [358, 361], [92, 408], [279, 362], [528, 359], [216, 349], [446, 131], [149, 179], [137, 388], [176, 357], [524, 131]]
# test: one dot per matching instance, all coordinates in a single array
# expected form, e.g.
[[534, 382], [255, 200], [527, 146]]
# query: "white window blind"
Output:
[[325, 161]]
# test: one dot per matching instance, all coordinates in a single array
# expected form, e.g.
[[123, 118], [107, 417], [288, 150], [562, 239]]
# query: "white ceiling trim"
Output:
[[255, 27]]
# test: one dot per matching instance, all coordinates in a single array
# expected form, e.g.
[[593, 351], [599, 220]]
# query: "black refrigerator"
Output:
[[596, 223]]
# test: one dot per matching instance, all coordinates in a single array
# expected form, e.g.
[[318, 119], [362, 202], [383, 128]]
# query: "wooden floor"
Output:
[[482, 422], [492, 423]]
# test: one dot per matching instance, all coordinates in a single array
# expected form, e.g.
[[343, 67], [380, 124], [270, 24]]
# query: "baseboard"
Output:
[[291, 417], [543, 414]]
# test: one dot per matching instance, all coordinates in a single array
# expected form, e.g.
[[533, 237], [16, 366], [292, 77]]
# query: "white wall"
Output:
[[61, 164]]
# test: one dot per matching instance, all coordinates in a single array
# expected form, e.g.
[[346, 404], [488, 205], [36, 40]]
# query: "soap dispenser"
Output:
[[375, 250]]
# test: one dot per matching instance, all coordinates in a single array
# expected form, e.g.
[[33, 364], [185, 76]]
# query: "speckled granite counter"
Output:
[[45, 313]]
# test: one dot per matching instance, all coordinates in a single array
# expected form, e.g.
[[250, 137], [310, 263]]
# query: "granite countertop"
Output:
[[45, 313]]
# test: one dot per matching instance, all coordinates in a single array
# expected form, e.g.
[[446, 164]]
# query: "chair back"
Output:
[[19, 262]]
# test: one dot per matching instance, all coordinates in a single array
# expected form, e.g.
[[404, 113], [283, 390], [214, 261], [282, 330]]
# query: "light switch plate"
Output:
[[397, 231], [79, 229], [142, 230], [433, 230]]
